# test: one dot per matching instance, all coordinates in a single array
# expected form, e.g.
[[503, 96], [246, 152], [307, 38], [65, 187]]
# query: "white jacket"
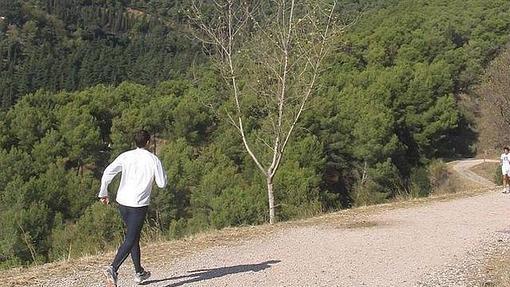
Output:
[[139, 168]]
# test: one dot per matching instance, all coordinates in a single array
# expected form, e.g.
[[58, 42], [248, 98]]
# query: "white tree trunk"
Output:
[[270, 197]]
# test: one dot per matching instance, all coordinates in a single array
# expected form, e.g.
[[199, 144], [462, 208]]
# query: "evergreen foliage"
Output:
[[74, 44]]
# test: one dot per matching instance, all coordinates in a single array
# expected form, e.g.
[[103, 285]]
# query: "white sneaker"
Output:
[[142, 276], [111, 277]]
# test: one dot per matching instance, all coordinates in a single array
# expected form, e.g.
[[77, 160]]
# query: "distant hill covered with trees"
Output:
[[78, 77], [74, 44]]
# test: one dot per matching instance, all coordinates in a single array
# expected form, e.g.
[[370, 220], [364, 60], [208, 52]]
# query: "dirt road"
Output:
[[431, 244], [463, 168]]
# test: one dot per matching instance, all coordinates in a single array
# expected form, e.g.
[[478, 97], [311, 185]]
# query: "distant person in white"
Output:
[[505, 169], [139, 168]]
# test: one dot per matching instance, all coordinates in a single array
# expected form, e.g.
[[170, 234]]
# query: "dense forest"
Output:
[[71, 45], [78, 77]]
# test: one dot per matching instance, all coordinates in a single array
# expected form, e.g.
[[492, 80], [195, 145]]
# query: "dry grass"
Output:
[[487, 170], [457, 183]]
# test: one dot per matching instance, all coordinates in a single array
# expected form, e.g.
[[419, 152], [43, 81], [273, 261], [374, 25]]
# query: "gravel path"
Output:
[[422, 245]]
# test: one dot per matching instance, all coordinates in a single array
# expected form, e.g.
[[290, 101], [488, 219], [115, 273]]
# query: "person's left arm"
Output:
[[160, 174]]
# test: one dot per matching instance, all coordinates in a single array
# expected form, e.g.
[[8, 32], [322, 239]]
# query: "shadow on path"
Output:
[[206, 274]]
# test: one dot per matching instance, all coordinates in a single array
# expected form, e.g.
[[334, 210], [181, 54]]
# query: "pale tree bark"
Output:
[[270, 196], [277, 57]]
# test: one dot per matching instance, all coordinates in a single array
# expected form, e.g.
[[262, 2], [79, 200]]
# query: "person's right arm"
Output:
[[109, 173]]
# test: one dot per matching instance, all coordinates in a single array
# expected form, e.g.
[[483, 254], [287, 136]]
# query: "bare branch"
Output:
[[264, 142], [307, 94], [232, 121]]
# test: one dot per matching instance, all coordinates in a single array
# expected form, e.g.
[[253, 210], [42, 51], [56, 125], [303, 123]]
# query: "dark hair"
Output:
[[141, 138], [506, 148]]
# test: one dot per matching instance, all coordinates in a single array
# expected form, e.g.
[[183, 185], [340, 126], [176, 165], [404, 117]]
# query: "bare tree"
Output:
[[495, 104], [270, 54]]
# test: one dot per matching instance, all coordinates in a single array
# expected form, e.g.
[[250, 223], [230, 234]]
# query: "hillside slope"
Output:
[[435, 243]]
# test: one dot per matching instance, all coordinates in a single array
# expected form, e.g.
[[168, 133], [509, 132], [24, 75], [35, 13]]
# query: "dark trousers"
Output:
[[133, 218]]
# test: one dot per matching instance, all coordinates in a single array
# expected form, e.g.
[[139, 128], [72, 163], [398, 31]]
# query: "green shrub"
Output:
[[99, 229], [438, 174], [420, 183], [199, 222], [177, 229], [24, 236], [368, 193]]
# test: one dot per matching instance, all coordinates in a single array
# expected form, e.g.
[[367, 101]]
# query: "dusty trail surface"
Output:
[[414, 245]]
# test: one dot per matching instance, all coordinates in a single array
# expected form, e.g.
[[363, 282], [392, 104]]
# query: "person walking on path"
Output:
[[505, 169], [139, 168]]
